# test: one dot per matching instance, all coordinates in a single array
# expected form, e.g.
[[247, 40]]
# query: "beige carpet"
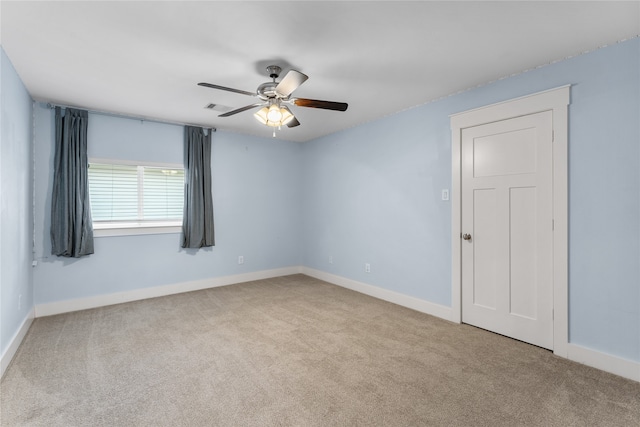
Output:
[[294, 351]]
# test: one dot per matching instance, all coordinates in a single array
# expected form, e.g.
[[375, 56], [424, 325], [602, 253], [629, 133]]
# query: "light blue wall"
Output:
[[256, 194], [16, 212], [373, 194]]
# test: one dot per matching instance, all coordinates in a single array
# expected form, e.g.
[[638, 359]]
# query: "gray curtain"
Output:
[[71, 227], [197, 220]]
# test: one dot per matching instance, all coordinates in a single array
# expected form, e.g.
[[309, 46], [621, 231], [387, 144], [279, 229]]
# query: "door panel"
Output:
[[485, 226], [523, 252], [507, 209], [508, 153]]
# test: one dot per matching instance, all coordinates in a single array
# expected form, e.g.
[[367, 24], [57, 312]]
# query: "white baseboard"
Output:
[[605, 362], [60, 307], [15, 342], [383, 294]]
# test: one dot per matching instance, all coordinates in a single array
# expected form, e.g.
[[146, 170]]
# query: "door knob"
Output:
[[466, 236]]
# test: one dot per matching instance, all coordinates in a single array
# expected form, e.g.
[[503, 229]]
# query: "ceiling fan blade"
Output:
[[228, 89], [326, 105], [240, 110], [293, 123], [290, 82]]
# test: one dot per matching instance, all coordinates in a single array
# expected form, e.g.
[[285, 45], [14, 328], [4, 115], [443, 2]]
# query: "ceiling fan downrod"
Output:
[[274, 71]]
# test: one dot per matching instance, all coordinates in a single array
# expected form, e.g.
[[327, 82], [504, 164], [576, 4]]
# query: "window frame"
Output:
[[132, 228]]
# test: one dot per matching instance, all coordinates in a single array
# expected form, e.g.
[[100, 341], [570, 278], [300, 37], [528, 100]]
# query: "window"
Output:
[[129, 198]]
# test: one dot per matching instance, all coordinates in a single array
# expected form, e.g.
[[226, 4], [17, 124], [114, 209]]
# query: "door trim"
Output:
[[557, 101]]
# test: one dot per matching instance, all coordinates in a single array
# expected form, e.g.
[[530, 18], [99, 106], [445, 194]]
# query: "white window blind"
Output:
[[163, 193], [124, 195], [113, 190]]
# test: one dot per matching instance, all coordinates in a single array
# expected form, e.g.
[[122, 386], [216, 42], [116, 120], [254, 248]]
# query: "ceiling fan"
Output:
[[275, 96]]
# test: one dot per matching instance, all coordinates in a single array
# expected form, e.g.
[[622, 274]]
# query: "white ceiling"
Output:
[[145, 58]]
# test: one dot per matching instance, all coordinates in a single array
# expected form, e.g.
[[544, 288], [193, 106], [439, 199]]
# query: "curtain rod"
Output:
[[51, 106]]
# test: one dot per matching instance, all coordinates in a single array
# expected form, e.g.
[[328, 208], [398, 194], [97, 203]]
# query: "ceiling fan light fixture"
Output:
[[261, 115], [287, 115], [274, 114]]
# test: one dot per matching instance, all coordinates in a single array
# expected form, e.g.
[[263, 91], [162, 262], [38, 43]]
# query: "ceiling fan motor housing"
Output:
[[267, 90]]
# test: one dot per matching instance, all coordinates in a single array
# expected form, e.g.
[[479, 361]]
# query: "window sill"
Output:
[[136, 228]]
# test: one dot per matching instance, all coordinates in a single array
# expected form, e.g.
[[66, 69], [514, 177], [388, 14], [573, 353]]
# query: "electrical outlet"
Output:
[[367, 268], [240, 259], [445, 194], [330, 259]]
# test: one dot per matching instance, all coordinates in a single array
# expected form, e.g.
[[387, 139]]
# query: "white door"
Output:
[[507, 208]]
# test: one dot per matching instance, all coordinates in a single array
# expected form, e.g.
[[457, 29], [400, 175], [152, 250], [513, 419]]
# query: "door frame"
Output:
[[557, 101]]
